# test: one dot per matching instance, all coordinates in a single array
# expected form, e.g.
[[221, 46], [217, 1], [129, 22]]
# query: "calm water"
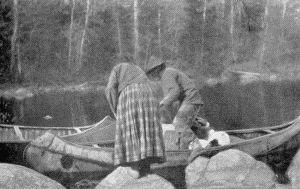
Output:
[[232, 106], [227, 106], [56, 109]]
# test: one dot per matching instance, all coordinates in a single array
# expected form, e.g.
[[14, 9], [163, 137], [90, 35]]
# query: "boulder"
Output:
[[282, 186], [85, 184], [19, 177], [122, 178], [231, 168], [293, 171]]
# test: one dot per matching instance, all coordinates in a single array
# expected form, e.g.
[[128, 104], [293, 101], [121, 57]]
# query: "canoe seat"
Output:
[[78, 130], [18, 133]]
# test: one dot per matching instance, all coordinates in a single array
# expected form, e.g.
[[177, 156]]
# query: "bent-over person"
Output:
[[138, 138], [177, 86]]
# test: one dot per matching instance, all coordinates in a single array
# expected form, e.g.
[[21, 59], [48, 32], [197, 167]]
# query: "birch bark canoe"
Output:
[[52, 154], [25, 134]]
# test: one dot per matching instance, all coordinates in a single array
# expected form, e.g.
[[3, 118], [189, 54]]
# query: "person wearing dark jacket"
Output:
[[176, 86], [139, 136]]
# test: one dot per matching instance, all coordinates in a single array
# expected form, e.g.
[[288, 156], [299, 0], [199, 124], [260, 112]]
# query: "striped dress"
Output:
[[138, 130]]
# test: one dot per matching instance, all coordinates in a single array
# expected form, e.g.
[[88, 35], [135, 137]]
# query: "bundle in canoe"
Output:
[[51, 153]]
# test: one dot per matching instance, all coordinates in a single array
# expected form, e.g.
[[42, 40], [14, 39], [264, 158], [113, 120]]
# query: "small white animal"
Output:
[[219, 136]]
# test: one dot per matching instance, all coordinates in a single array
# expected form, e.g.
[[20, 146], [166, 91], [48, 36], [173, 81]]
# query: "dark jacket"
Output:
[[178, 86]]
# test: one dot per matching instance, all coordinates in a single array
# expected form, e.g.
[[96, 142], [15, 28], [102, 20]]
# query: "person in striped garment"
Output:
[[139, 137], [176, 86]]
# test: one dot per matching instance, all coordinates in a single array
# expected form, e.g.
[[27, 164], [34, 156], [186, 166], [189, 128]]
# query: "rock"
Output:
[[231, 168], [194, 172], [19, 177], [85, 184], [293, 171], [282, 186], [121, 178]]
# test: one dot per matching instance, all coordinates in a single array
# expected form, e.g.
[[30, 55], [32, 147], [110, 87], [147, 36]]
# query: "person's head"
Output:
[[155, 68]]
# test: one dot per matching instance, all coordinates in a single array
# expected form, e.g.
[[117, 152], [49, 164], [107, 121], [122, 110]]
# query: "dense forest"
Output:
[[63, 41]]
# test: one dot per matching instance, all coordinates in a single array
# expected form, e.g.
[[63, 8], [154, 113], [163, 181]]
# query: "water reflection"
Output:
[[227, 106], [61, 109], [258, 104], [7, 111]]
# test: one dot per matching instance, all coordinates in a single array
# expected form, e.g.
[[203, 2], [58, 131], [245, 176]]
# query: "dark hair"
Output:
[[161, 67], [198, 126]]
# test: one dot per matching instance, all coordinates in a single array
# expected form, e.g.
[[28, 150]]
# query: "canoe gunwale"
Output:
[[54, 128], [47, 128], [83, 129], [88, 127], [253, 130]]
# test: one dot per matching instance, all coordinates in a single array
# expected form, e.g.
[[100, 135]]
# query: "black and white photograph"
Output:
[[147, 94]]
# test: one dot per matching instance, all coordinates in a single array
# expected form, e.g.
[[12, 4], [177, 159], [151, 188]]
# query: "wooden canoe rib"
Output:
[[50, 153]]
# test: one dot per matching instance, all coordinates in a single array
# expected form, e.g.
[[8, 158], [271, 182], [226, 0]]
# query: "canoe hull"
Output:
[[17, 138], [274, 142], [47, 161], [52, 154]]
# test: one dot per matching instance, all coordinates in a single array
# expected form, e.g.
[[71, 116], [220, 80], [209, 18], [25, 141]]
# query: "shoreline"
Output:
[[22, 91]]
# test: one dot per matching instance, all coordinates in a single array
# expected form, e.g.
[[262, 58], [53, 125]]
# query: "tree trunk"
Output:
[[233, 56], [70, 33], [173, 46], [84, 34], [19, 60], [14, 41], [147, 51], [261, 59], [282, 18], [202, 37], [117, 11], [159, 32], [135, 29], [220, 15]]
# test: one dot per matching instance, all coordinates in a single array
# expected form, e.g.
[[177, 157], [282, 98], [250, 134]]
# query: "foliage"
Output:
[[202, 37], [5, 40]]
